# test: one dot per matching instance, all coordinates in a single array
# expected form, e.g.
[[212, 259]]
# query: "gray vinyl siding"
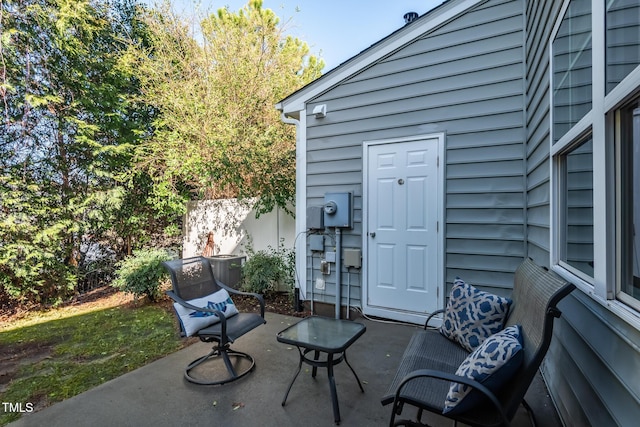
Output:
[[540, 19], [593, 366], [465, 79], [600, 380]]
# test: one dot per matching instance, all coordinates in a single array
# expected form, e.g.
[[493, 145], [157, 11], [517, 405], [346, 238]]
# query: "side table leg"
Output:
[[354, 372], [332, 388], [314, 370], [294, 377]]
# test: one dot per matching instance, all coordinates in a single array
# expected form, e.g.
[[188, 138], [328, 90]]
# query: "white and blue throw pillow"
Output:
[[473, 315], [492, 364], [193, 320]]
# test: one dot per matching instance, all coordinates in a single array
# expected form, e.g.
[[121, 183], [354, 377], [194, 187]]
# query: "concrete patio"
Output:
[[157, 394]]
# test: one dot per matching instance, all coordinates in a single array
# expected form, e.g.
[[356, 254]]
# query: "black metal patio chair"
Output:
[[200, 300]]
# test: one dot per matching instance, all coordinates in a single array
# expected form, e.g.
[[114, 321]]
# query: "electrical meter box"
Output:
[[338, 210]]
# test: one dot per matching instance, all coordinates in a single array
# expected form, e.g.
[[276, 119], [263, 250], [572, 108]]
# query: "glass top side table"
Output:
[[323, 335]]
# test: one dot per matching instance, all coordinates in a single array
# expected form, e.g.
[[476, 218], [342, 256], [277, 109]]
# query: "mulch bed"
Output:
[[274, 302]]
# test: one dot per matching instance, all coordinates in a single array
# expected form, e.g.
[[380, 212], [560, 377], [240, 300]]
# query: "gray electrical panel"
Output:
[[316, 242], [352, 258], [338, 210], [315, 217]]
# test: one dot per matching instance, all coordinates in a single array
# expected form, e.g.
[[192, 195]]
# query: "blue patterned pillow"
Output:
[[192, 321], [473, 315], [492, 364]]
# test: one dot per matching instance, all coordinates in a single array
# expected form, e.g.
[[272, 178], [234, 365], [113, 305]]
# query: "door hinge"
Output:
[[437, 226], [438, 293], [438, 161]]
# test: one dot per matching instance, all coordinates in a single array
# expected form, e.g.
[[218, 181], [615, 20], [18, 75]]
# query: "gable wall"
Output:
[[465, 79], [593, 365]]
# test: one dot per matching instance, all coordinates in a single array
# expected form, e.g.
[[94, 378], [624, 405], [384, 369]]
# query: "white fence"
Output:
[[233, 225]]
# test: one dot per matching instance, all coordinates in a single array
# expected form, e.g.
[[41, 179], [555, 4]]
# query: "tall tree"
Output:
[[218, 133], [69, 125]]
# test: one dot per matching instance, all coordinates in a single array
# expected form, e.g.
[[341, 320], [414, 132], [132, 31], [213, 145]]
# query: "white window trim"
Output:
[[599, 122]]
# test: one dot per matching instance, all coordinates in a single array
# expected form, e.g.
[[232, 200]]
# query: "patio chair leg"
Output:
[[397, 410], [227, 362], [224, 353]]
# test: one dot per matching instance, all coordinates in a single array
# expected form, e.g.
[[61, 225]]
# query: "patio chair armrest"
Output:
[[445, 376], [220, 314], [259, 297], [426, 323]]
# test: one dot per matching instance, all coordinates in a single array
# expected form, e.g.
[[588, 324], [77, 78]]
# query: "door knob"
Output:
[[372, 234]]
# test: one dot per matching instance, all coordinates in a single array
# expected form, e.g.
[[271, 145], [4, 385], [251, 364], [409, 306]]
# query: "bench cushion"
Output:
[[493, 363], [473, 315]]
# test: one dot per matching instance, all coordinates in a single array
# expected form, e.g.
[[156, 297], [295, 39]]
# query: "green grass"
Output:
[[70, 352]]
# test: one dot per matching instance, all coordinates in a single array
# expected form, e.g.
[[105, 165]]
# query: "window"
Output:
[[623, 40], [577, 218], [572, 68], [595, 148], [628, 202]]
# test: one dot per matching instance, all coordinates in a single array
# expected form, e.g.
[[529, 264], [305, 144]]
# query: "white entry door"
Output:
[[403, 202]]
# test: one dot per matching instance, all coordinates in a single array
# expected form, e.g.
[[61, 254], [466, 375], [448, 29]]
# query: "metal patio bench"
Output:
[[430, 360]]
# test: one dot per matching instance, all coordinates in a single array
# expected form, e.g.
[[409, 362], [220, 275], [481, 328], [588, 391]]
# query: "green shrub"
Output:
[[265, 269], [34, 274], [142, 274]]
